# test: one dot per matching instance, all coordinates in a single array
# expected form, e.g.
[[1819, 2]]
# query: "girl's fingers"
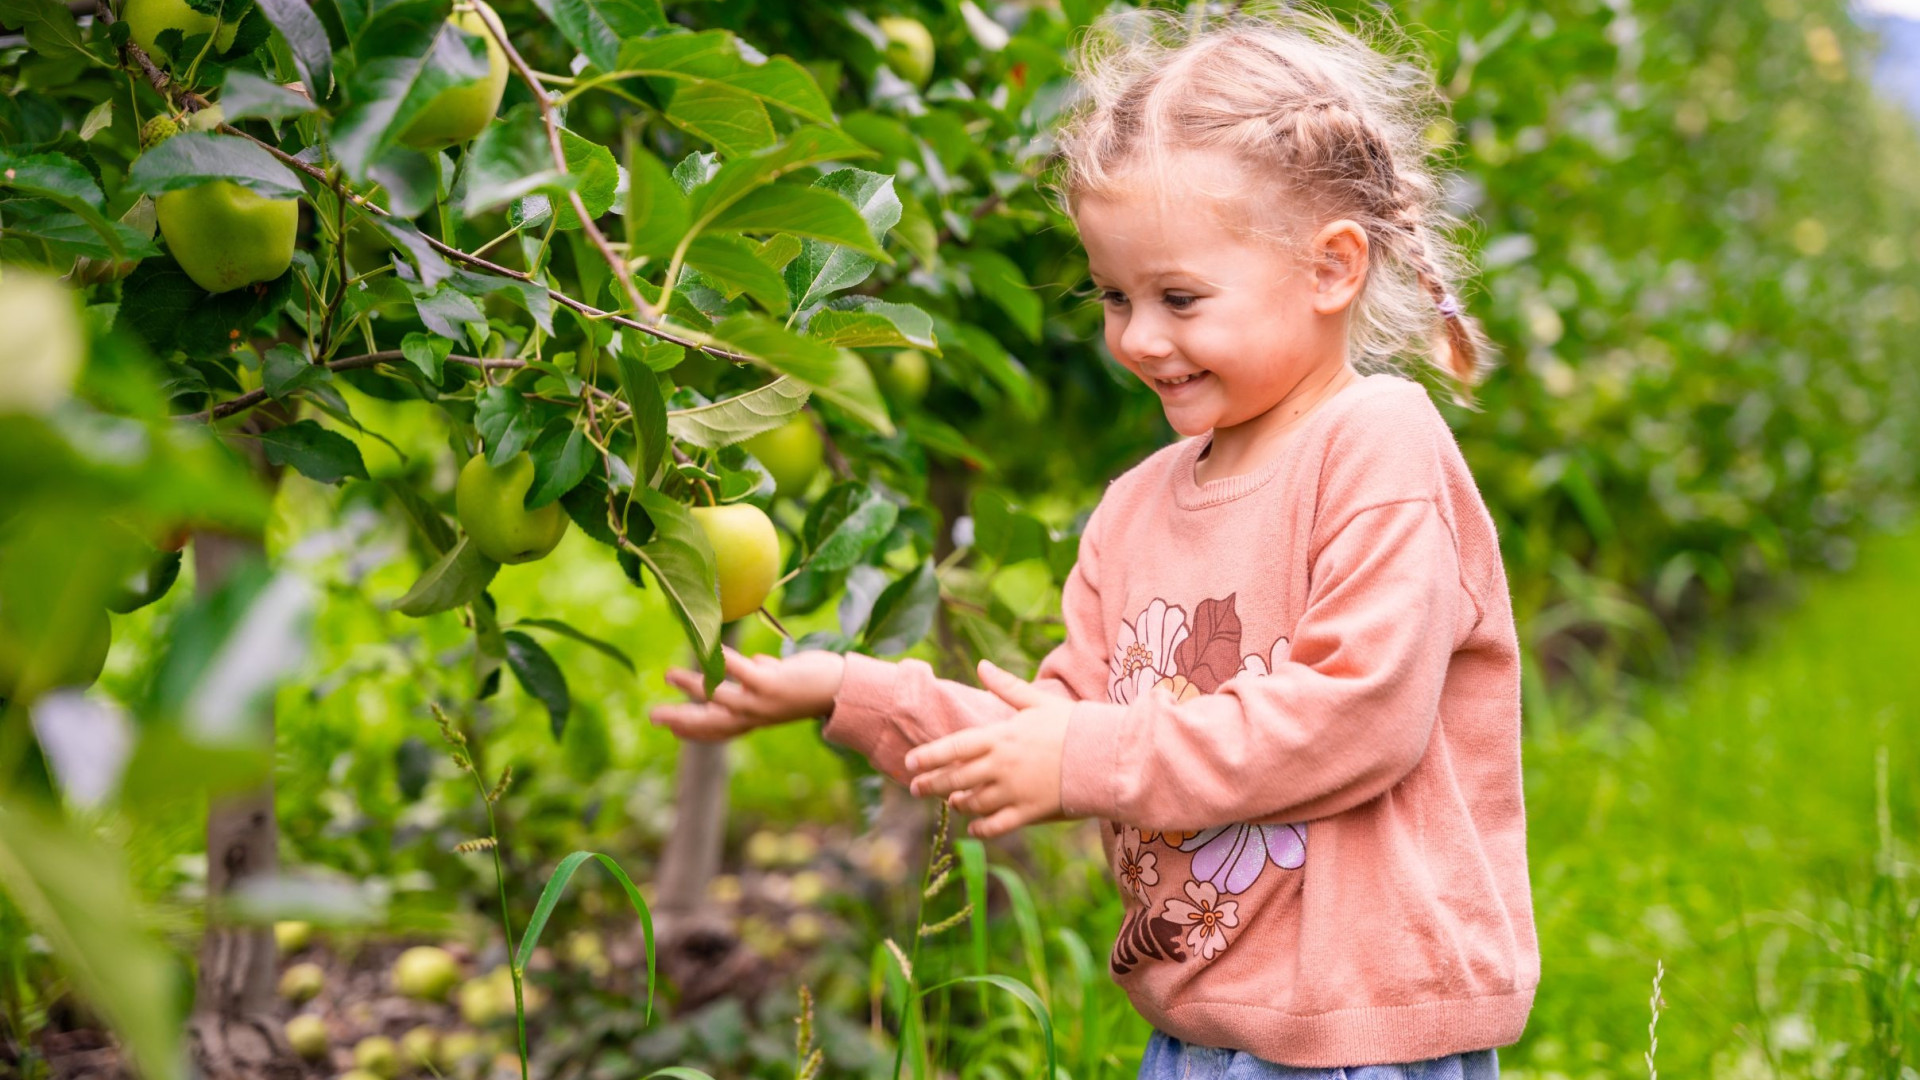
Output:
[[741, 668], [959, 746], [732, 697], [952, 778], [1008, 687], [997, 824], [701, 722], [691, 683]]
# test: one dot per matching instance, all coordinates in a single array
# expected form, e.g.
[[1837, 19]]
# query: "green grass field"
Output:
[[1752, 831]]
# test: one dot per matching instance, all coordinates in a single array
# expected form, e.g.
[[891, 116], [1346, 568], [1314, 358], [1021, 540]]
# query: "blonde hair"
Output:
[[1337, 123]]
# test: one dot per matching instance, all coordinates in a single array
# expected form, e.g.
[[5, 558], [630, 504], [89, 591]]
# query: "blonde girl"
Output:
[[1290, 684]]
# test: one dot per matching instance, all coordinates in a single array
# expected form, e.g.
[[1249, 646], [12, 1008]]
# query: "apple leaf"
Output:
[[556, 626], [824, 268], [837, 375], [681, 559], [657, 213], [387, 92], [904, 613], [735, 419], [910, 323], [736, 264], [734, 121], [192, 158], [597, 27], [561, 457], [246, 96], [306, 39], [997, 278], [317, 453], [538, 675], [847, 521], [459, 578], [647, 409], [802, 211], [511, 160], [505, 421]]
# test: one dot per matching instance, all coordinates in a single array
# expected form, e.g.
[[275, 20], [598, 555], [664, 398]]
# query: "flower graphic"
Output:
[[1138, 869], [1254, 663], [1179, 687], [1143, 655], [1208, 918], [1229, 858]]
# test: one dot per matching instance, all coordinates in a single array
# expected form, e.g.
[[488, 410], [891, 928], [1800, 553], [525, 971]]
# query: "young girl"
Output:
[[1290, 680]]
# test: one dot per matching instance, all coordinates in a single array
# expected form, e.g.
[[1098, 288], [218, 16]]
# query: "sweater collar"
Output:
[[1190, 494]]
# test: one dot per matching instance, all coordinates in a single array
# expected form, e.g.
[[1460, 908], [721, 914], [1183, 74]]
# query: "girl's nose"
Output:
[[1145, 339]]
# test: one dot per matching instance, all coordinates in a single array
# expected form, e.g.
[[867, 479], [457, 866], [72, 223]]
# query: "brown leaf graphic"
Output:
[[1211, 653]]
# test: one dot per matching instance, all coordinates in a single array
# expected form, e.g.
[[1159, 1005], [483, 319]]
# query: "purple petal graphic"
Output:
[[1286, 845]]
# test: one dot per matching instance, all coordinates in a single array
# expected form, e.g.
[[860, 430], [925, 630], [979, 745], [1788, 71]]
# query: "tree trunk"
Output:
[[233, 1029], [692, 855]]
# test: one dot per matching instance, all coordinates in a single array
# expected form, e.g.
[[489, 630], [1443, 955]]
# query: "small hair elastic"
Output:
[[1449, 306]]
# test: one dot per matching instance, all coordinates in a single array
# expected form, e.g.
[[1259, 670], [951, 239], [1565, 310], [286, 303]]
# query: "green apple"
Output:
[[480, 1003], [426, 973], [30, 666], [492, 506], [147, 18], [462, 112], [225, 236], [302, 982], [420, 1049], [292, 936], [43, 347], [458, 1046], [903, 376], [360, 1074], [909, 48], [791, 452], [308, 1035], [746, 555], [378, 1055]]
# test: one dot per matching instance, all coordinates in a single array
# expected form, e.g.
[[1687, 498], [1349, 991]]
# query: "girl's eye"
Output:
[[1178, 302], [1112, 296]]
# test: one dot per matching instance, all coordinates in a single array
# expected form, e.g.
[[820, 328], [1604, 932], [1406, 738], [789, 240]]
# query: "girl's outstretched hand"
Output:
[[1007, 774], [759, 690]]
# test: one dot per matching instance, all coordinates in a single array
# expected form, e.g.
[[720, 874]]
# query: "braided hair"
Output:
[[1320, 120]]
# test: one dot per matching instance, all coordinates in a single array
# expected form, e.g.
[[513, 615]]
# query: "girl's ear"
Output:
[[1339, 253]]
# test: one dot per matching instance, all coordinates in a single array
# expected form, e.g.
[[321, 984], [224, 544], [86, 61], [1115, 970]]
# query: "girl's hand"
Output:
[[759, 690], [1007, 774]]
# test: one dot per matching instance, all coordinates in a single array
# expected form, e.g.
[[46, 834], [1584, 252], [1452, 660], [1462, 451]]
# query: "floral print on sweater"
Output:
[[1179, 884]]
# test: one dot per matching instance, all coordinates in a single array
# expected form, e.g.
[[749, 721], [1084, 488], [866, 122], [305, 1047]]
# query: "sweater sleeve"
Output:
[[1338, 723], [884, 709]]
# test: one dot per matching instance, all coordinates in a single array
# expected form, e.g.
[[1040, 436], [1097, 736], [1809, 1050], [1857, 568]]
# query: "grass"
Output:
[[1749, 832]]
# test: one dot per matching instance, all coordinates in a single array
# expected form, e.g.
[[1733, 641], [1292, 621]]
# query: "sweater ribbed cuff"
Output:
[[1089, 760], [862, 710]]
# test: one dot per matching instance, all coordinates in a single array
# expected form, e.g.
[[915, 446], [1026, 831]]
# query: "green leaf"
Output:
[[823, 268], [164, 306], [845, 523], [590, 171], [904, 613], [446, 309], [50, 29], [192, 158], [431, 524], [647, 410], [428, 353], [550, 898], [732, 120], [657, 211], [561, 457], [538, 675], [458, 579], [837, 375], [808, 212], [64, 181], [657, 355], [555, 626], [736, 419], [306, 39], [682, 561], [246, 96], [913, 326], [320, 454], [76, 895], [511, 160], [285, 370], [857, 330], [712, 58], [712, 195], [597, 27], [505, 421], [736, 264], [67, 233], [995, 277]]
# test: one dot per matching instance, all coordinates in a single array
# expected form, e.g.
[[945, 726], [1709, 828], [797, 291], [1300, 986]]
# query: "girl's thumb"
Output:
[[1008, 686]]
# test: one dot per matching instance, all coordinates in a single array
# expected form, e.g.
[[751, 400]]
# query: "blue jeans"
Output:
[[1168, 1058]]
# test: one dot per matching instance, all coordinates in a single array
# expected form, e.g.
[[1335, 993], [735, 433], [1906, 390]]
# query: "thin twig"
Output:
[[614, 262]]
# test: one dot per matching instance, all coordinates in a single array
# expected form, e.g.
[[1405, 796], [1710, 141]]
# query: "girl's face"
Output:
[[1223, 326]]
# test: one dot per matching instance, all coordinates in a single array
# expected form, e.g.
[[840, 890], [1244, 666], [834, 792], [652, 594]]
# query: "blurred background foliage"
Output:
[[1699, 229]]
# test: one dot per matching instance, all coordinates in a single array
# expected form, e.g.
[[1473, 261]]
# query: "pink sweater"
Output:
[[1298, 712]]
